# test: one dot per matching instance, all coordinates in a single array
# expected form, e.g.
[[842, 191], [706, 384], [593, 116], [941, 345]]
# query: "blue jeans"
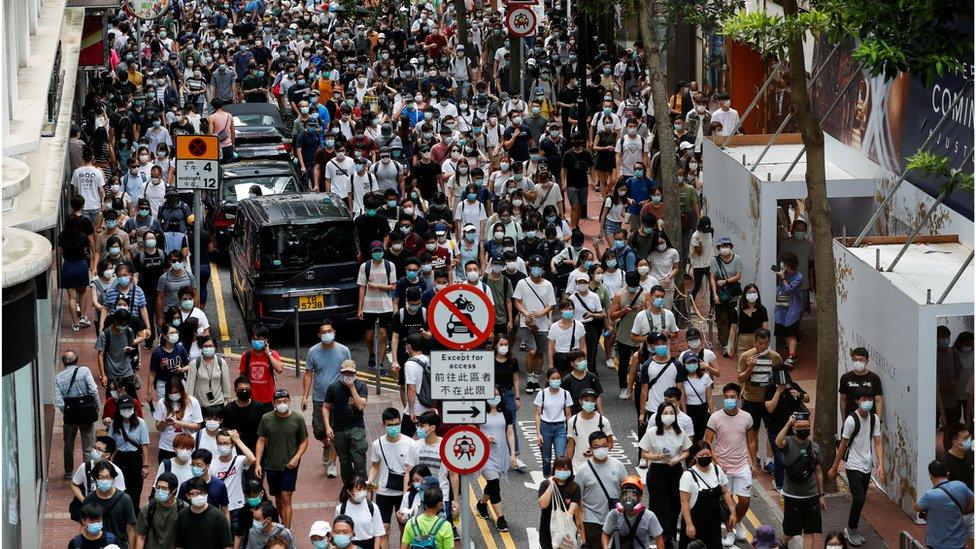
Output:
[[553, 435], [778, 470], [508, 397]]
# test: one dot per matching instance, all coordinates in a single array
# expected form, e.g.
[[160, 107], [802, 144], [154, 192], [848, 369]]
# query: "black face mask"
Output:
[[704, 461], [802, 434], [244, 395]]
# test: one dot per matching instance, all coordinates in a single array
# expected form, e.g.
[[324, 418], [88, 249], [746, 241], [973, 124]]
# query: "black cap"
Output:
[[692, 333], [588, 392]]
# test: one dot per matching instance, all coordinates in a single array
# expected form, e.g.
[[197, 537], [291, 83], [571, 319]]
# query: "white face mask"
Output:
[[198, 501], [643, 269], [502, 349], [752, 297], [212, 424], [859, 366], [473, 276], [662, 247], [184, 454], [667, 419], [127, 413], [281, 408]]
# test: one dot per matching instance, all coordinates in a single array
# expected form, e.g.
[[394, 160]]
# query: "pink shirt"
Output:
[[730, 446]]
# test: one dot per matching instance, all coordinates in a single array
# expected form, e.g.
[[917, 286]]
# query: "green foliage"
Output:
[[704, 14], [938, 166], [770, 34], [916, 36]]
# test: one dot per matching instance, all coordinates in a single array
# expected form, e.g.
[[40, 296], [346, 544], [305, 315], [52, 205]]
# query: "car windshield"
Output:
[[237, 188], [289, 248], [254, 119]]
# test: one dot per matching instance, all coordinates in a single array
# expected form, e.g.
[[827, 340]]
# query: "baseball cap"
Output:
[[348, 365], [376, 246], [440, 229], [723, 241], [765, 538], [469, 227], [589, 392], [281, 393], [685, 146], [535, 260], [320, 528], [143, 202], [689, 357], [583, 278]]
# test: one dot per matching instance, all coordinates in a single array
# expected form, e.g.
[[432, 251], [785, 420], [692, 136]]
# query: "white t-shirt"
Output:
[[191, 415], [684, 422], [202, 325], [579, 429], [205, 441], [232, 473], [698, 389], [662, 263], [413, 374], [713, 476], [591, 300], [430, 455], [87, 180], [544, 296], [183, 472], [466, 212], [703, 260], [649, 282], [377, 301], [340, 174], [553, 405], [728, 119], [566, 339], [79, 477], [396, 453], [669, 443], [648, 321], [860, 455], [361, 186], [367, 525]]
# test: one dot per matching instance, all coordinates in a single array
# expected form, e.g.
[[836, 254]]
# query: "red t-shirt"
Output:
[[257, 368], [109, 408], [440, 258]]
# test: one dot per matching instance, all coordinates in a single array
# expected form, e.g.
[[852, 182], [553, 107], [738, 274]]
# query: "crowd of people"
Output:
[[451, 175]]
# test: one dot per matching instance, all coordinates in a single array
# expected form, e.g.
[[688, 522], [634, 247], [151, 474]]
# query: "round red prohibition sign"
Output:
[[197, 147], [465, 449], [461, 316]]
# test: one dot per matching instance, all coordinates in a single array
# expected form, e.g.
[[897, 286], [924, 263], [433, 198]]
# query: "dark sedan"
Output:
[[259, 131]]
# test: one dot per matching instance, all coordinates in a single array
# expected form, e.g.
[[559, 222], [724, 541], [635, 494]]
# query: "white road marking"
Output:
[[537, 479], [533, 536]]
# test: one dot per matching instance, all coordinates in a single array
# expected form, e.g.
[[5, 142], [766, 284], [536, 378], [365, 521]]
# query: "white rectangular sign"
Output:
[[461, 412], [196, 174], [462, 375]]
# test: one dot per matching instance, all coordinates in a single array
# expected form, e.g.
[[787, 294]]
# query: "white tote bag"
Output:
[[562, 527]]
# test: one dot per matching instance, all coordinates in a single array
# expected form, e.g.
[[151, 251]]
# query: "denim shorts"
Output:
[[610, 227]]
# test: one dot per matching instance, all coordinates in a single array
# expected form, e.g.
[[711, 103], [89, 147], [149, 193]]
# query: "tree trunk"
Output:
[[667, 175], [818, 209]]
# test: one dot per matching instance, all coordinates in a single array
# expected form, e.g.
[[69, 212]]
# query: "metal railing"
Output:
[[906, 541]]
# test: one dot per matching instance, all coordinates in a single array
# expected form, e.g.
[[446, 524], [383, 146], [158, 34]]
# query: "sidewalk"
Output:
[[315, 498]]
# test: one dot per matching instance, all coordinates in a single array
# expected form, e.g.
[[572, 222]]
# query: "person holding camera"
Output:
[[789, 302], [803, 488], [783, 400]]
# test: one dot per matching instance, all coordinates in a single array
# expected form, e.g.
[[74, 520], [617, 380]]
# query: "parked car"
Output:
[[294, 252], [234, 183], [259, 131]]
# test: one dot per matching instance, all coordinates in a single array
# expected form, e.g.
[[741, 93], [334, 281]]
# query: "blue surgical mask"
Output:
[[393, 430], [162, 495], [867, 405], [638, 173], [377, 256], [550, 219], [187, 303], [658, 302], [967, 444], [589, 406], [618, 244], [421, 433], [320, 544], [529, 234], [800, 235], [257, 344], [729, 404], [412, 275], [587, 264], [327, 337], [563, 474], [494, 401], [123, 280], [691, 368], [94, 528], [418, 486], [341, 540], [472, 196], [258, 524], [611, 263], [391, 203], [254, 502], [110, 223], [555, 383], [104, 484], [536, 271], [470, 237], [567, 314], [661, 350], [196, 471]]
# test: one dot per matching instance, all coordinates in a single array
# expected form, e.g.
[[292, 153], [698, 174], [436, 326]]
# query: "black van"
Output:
[[294, 251]]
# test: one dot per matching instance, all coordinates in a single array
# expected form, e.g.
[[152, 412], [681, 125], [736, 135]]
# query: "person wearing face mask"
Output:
[[963, 346], [282, 441], [93, 534], [201, 524], [948, 372], [599, 481], [344, 405], [789, 303], [387, 457], [233, 458], [562, 493], [726, 116], [699, 256], [782, 401], [131, 435], [112, 230], [243, 414], [565, 335], [83, 481], [319, 534], [156, 525], [117, 347], [698, 387], [803, 491], [576, 163], [208, 378], [72, 382], [265, 527], [200, 461], [630, 525], [551, 417], [206, 437], [704, 487], [322, 369], [626, 305], [587, 420], [176, 414], [947, 507], [169, 360], [698, 121], [750, 315], [431, 524], [958, 458], [730, 431], [499, 428], [858, 378], [800, 244], [860, 449], [108, 509], [725, 273]]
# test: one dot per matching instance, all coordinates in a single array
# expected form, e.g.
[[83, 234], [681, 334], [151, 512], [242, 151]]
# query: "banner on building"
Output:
[[94, 49]]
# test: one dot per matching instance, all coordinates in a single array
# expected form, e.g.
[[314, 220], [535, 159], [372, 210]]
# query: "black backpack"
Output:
[[423, 393], [857, 430]]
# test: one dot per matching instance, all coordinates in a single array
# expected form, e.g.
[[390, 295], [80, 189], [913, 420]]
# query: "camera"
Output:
[[774, 268]]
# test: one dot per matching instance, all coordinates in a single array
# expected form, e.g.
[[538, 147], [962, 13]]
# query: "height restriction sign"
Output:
[[461, 316]]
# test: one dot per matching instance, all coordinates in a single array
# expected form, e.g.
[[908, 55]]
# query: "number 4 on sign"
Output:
[[208, 167]]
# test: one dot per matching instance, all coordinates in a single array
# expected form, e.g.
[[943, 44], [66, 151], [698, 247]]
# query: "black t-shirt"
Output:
[[74, 246], [787, 406], [570, 96], [150, 267], [505, 373], [569, 497], [851, 382], [411, 323], [577, 167], [425, 175], [204, 530], [370, 228], [245, 420], [89, 543], [519, 151], [204, 246], [748, 324], [116, 520], [960, 469], [342, 413], [577, 386]]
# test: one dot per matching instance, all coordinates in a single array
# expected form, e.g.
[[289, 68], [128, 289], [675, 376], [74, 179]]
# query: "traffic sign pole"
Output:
[[197, 224], [466, 517], [465, 450]]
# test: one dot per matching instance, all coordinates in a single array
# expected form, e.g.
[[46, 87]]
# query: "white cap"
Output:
[[583, 278], [320, 528], [685, 145], [469, 227]]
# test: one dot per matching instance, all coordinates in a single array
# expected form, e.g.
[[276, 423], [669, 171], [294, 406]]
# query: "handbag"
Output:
[[79, 410], [562, 527], [731, 290], [394, 480]]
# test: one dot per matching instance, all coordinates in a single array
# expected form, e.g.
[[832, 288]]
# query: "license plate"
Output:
[[311, 302]]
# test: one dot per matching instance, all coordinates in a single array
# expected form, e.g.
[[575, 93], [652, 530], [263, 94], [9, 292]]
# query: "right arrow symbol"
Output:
[[473, 412]]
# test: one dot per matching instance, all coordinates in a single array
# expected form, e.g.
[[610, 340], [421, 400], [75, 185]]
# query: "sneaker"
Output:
[[854, 537], [642, 464], [371, 363], [384, 372], [522, 346], [611, 364], [75, 327], [501, 524], [482, 510], [729, 539], [531, 387], [520, 465], [84, 322], [330, 471], [624, 393], [740, 532], [790, 362], [770, 467]]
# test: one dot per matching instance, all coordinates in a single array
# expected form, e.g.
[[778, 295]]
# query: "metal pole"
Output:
[[755, 101], [956, 278], [197, 227], [772, 140], [830, 109], [916, 230], [376, 353], [466, 518], [298, 367], [904, 173]]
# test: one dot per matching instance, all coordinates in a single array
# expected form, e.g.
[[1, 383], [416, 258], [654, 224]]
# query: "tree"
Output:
[[893, 36]]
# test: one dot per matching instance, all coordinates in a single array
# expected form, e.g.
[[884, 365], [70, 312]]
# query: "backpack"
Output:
[[428, 540], [173, 241], [387, 264], [369, 504], [423, 395], [576, 420], [857, 429], [803, 468]]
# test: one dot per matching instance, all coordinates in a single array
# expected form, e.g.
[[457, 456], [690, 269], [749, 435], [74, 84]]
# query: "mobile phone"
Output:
[[801, 415]]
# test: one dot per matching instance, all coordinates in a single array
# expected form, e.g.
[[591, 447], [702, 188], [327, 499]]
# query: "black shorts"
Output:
[[281, 481], [386, 505], [369, 319], [801, 516], [756, 410], [786, 331]]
